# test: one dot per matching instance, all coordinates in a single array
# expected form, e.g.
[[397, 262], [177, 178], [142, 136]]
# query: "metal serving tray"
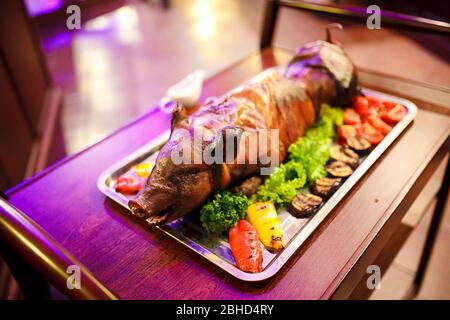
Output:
[[296, 231]]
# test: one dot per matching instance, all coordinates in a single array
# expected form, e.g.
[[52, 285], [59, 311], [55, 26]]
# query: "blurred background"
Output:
[[74, 87]]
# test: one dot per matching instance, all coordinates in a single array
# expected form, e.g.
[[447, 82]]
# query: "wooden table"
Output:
[[62, 218]]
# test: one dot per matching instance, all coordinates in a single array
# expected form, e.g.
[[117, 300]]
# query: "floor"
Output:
[[120, 64]]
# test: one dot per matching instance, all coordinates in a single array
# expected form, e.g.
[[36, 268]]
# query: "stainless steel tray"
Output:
[[296, 231]]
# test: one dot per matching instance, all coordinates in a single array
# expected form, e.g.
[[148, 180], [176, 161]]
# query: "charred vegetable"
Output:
[[358, 144], [325, 187], [339, 169], [263, 216], [245, 247], [250, 186], [346, 155], [304, 204]]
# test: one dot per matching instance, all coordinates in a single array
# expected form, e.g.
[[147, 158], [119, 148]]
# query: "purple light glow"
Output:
[[38, 7], [60, 40]]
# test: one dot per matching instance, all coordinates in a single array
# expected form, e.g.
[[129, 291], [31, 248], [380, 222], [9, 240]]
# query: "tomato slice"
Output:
[[346, 131], [388, 105], [129, 184], [379, 124], [370, 134], [373, 111], [351, 117], [361, 105], [373, 102], [375, 139], [395, 114]]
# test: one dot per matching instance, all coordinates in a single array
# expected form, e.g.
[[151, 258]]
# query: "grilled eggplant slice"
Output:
[[325, 187], [360, 145], [346, 155], [304, 204], [339, 169]]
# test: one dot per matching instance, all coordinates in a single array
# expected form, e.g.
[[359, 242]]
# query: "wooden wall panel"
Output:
[[15, 137], [23, 58], [4, 182]]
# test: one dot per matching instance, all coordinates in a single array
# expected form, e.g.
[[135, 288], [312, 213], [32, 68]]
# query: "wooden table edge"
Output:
[[43, 253]]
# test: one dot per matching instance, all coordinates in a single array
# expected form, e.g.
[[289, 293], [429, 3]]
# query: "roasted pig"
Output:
[[320, 72]]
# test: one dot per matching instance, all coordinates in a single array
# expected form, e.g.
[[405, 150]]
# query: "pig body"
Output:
[[319, 73]]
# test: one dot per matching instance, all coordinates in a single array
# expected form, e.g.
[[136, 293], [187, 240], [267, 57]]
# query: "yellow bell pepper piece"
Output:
[[263, 216], [143, 170]]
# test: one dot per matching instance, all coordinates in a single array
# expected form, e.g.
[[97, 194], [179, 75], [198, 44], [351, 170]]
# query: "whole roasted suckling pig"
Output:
[[319, 72]]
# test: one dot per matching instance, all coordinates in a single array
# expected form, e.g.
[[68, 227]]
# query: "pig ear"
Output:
[[179, 115], [227, 140], [328, 31]]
